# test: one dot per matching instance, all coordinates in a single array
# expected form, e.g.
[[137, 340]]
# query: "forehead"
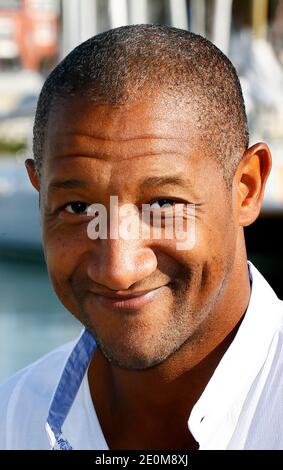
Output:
[[150, 136], [74, 122]]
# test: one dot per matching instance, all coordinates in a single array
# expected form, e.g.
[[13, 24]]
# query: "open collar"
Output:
[[214, 417], [67, 389]]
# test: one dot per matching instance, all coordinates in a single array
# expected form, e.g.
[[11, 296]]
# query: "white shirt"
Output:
[[48, 404]]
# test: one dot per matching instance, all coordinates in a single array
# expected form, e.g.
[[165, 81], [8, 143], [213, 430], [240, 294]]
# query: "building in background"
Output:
[[29, 33]]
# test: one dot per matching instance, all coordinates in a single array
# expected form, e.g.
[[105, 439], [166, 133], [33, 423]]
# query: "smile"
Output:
[[128, 302]]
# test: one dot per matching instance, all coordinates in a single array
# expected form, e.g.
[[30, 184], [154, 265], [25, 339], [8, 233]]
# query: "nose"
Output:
[[118, 263]]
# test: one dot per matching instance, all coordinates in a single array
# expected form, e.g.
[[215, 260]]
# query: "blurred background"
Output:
[[34, 36]]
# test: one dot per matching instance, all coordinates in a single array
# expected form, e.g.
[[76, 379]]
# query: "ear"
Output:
[[29, 164], [249, 182]]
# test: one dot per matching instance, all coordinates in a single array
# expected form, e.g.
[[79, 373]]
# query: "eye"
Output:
[[76, 207], [162, 203]]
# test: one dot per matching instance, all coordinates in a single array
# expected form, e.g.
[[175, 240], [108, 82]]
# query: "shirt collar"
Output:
[[226, 391], [215, 415], [67, 389]]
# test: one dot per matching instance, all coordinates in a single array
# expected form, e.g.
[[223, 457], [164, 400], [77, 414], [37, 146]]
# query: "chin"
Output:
[[132, 356], [131, 363]]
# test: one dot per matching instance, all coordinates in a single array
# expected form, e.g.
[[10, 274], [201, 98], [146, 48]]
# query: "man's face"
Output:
[[113, 151]]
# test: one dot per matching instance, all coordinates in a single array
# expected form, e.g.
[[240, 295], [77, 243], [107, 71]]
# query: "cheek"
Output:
[[212, 238], [210, 259], [63, 250], [63, 256], [215, 251]]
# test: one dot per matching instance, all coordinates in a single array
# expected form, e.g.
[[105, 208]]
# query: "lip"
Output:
[[133, 302]]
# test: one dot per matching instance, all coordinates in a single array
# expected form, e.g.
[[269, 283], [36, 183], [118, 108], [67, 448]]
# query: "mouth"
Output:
[[131, 302]]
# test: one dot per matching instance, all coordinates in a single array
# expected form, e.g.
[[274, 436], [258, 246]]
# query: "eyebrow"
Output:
[[67, 184], [150, 181], [166, 180]]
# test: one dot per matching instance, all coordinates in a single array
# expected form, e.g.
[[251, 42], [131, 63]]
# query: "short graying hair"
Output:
[[127, 63]]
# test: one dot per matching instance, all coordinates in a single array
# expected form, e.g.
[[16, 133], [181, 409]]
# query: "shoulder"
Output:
[[266, 428], [274, 360], [25, 399], [270, 404]]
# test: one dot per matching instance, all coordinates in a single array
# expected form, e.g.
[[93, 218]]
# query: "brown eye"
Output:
[[162, 203], [76, 207]]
